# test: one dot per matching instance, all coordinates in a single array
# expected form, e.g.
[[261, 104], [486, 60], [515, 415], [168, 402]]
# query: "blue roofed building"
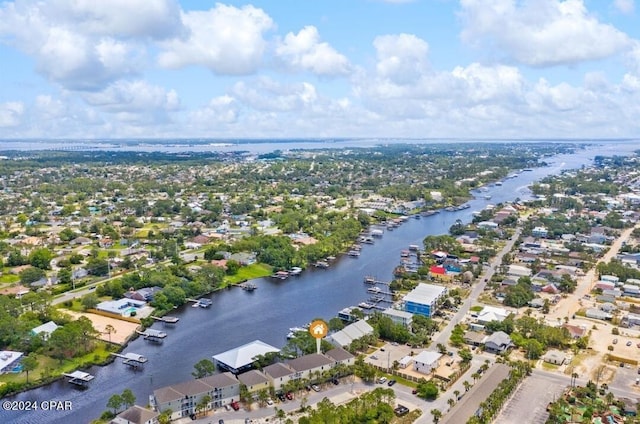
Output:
[[423, 299]]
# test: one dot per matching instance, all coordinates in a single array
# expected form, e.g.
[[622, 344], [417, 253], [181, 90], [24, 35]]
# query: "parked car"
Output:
[[615, 341], [289, 395], [382, 380], [414, 391], [391, 382], [629, 343], [281, 397], [269, 401], [335, 381], [315, 387]]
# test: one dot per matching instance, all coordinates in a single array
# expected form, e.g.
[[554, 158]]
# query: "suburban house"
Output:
[[182, 398], [145, 294], [45, 330], [399, 317], [498, 342], [136, 415], [10, 361], [423, 299], [555, 357], [123, 307], [425, 362], [491, 313]]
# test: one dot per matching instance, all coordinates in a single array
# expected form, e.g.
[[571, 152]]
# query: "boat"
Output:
[[377, 233], [498, 183], [296, 270], [390, 227], [365, 305], [369, 279], [205, 303], [374, 289], [487, 197], [321, 264], [280, 275], [353, 253], [249, 286], [414, 247], [416, 216], [331, 258]]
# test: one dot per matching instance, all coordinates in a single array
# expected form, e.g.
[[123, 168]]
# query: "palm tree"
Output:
[[467, 385], [451, 402], [437, 414], [475, 376], [457, 393], [110, 329]]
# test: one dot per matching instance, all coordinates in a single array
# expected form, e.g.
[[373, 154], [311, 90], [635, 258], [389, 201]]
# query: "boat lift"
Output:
[[133, 360], [79, 378], [152, 335]]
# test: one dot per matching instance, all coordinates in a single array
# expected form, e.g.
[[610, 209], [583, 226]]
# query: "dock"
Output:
[[167, 319], [202, 303], [132, 360], [151, 335], [248, 286], [79, 378]]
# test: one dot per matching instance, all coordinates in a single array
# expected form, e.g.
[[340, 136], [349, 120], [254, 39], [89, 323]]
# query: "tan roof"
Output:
[[194, 387]]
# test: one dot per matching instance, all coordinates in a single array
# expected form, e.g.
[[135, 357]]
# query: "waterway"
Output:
[[237, 317]]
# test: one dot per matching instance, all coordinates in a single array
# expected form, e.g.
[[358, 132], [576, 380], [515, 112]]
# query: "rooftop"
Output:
[[244, 355]]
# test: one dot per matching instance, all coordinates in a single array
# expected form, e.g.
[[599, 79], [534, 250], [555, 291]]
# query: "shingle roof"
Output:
[[135, 415], [339, 354], [252, 377], [308, 362], [278, 370]]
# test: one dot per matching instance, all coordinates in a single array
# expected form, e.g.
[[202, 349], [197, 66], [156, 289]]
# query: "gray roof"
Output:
[[278, 370], [252, 377], [194, 387], [350, 333], [338, 354], [499, 338], [308, 362], [134, 415]]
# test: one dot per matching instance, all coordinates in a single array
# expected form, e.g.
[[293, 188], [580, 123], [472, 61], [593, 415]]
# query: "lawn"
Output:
[[9, 278], [249, 272]]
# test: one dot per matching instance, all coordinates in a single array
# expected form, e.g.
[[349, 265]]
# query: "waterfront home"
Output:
[[423, 299], [279, 374], [254, 380], [399, 317], [308, 366], [136, 415], [351, 332], [123, 307], [182, 398], [10, 361], [426, 362]]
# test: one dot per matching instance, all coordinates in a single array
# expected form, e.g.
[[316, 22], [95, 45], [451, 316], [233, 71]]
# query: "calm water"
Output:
[[237, 317]]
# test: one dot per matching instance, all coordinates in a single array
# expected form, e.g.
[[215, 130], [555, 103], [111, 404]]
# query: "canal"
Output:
[[237, 317]]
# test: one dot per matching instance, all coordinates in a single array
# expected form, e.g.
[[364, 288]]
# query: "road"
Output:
[[571, 304], [444, 335]]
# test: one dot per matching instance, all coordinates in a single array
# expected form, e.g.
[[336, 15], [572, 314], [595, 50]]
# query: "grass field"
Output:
[[248, 272]]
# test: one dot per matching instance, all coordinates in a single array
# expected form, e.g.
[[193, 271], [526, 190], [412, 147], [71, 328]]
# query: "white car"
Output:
[[382, 380], [269, 402]]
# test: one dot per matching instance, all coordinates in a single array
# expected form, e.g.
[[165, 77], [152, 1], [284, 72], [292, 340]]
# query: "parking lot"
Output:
[[521, 409]]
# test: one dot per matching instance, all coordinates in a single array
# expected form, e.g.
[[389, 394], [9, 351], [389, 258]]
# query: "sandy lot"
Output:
[[123, 328]]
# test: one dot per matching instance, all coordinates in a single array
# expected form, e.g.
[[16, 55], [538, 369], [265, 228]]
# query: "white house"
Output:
[[425, 362], [45, 329], [491, 313]]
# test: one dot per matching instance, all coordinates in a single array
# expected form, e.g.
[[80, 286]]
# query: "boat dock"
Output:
[[248, 286], [79, 378], [202, 303], [167, 320], [133, 360], [152, 335]]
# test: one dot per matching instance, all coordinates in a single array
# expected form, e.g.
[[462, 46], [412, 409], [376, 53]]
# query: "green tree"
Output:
[[41, 258], [437, 414], [31, 275], [89, 301], [115, 402], [203, 368], [128, 398], [428, 390], [29, 363], [65, 276]]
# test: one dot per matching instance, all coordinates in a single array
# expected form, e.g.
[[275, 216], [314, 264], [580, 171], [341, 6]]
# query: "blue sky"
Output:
[[351, 68]]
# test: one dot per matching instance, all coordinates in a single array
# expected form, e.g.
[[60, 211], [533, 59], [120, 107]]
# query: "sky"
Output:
[[480, 69]]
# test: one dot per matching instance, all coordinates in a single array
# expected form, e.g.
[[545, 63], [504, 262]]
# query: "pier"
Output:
[[248, 286], [152, 335], [79, 378], [167, 320], [132, 360]]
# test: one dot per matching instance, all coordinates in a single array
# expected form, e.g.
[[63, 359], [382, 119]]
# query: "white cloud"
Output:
[[219, 110], [225, 39], [135, 101], [541, 32], [625, 6], [402, 58], [11, 114], [304, 51], [80, 51], [266, 94]]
